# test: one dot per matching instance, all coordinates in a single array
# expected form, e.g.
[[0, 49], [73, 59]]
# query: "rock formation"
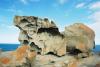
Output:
[[43, 45], [21, 57], [45, 37], [80, 36]]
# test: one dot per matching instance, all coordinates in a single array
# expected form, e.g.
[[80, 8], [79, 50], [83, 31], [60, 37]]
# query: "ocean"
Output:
[[97, 48], [9, 47]]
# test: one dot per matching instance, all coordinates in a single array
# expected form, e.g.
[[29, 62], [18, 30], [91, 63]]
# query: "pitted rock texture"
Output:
[[43, 45], [45, 37], [40, 33]]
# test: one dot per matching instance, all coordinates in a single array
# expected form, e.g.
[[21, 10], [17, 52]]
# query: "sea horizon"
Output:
[[10, 47]]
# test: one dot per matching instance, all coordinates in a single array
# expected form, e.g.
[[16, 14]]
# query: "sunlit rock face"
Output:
[[44, 36], [43, 45], [80, 36], [23, 56]]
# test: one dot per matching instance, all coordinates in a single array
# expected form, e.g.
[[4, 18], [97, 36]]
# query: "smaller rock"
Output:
[[22, 56]]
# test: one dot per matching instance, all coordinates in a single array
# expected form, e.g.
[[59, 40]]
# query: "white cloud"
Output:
[[95, 17], [28, 1], [96, 28], [9, 38], [24, 1], [34, 0], [3, 19], [9, 34], [80, 5], [95, 5], [12, 27], [15, 11], [62, 1]]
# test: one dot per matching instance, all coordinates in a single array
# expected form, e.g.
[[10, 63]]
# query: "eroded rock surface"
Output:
[[23, 56], [81, 36], [44, 35], [43, 45]]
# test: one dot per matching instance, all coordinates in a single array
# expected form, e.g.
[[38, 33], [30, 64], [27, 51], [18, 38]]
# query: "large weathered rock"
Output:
[[40, 33], [42, 45], [45, 36], [80, 36]]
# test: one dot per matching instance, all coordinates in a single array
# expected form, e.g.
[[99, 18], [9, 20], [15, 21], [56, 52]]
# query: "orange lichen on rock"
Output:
[[87, 29], [20, 52], [4, 60], [23, 52]]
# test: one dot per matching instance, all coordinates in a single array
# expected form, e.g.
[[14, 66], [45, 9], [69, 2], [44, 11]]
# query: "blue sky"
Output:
[[63, 12]]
